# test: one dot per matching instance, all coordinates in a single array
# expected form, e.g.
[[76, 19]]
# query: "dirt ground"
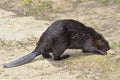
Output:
[[19, 35]]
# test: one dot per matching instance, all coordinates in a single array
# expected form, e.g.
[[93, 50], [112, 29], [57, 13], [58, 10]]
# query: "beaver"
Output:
[[62, 35]]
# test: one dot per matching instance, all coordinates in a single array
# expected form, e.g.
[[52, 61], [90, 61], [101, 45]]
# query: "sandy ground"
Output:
[[14, 29], [19, 35]]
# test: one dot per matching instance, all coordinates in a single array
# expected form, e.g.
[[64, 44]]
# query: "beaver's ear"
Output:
[[99, 36]]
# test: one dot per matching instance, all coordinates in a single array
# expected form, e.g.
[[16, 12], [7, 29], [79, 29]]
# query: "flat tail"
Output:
[[25, 59]]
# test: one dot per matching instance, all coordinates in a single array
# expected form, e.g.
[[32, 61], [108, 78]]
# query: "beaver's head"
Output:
[[101, 43]]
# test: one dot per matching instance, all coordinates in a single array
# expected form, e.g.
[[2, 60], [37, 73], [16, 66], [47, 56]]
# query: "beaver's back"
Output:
[[72, 28]]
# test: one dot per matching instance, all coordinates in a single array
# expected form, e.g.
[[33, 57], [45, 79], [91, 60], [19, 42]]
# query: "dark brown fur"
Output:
[[70, 34], [62, 35]]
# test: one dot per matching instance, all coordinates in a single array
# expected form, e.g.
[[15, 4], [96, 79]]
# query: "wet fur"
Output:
[[69, 34]]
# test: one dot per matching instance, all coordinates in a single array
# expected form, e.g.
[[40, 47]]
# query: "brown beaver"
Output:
[[62, 35]]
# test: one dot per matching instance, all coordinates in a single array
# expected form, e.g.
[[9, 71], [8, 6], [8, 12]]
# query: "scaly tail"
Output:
[[22, 60]]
